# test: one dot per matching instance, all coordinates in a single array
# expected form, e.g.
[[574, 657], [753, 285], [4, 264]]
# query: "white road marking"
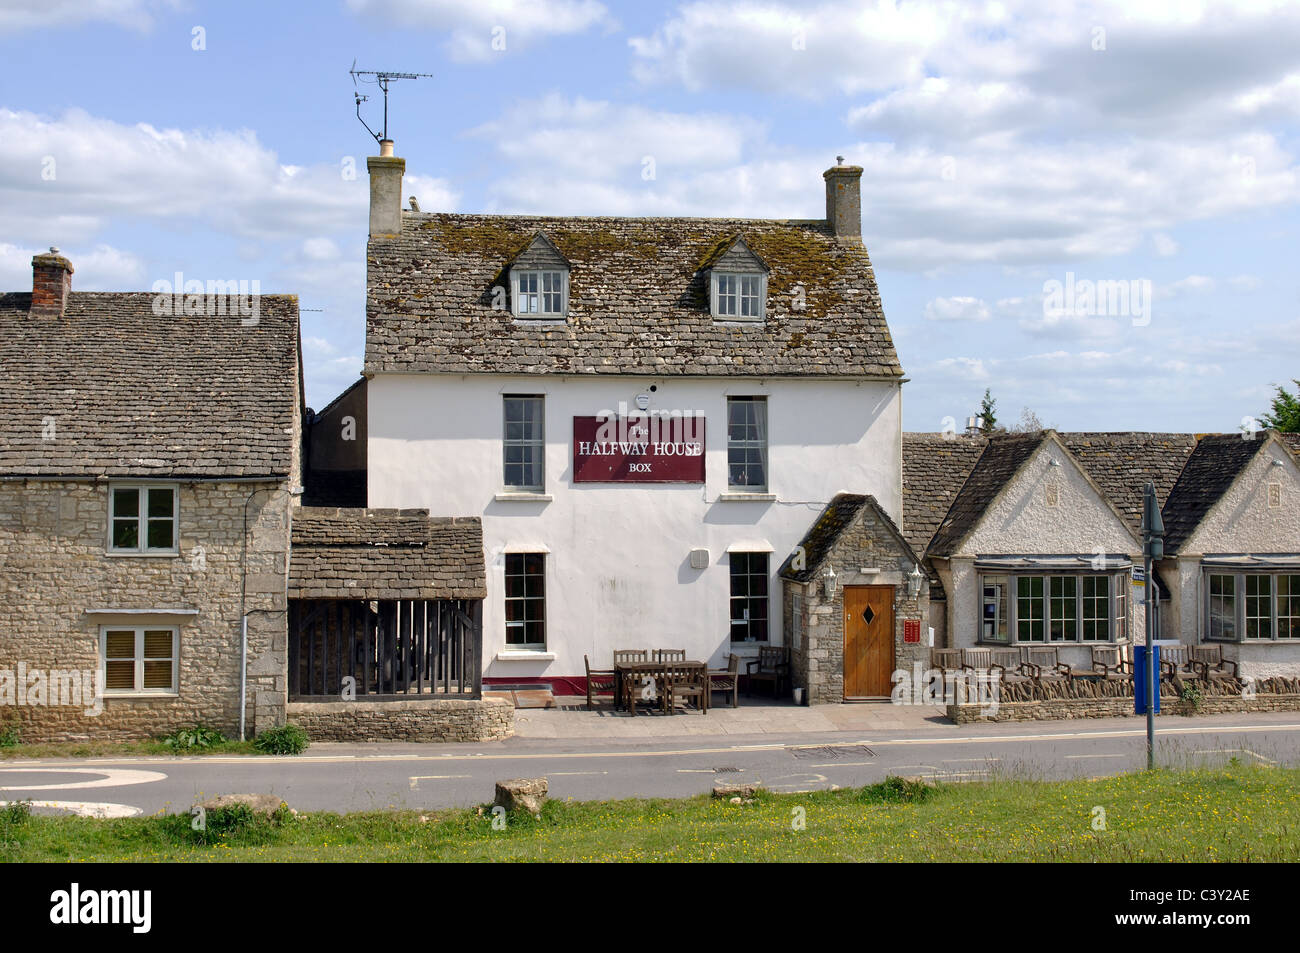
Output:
[[1253, 754], [103, 810], [1072, 756], [844, 764], [571, 774], [415, 782], [968, 760], [112, 778]]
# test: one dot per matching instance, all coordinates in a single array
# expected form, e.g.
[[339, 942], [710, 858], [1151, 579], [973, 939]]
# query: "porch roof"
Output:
[[354, 553]]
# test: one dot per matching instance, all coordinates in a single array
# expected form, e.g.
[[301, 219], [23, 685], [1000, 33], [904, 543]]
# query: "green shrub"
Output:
[[894, 788], [9, 735], [236, 825], [193, 739], [287, 739]]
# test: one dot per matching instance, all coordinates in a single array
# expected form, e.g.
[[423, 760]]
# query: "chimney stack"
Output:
[[844, 200], [51, 282], [385, 192]]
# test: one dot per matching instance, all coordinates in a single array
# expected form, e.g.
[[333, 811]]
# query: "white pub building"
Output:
[[648, 415]]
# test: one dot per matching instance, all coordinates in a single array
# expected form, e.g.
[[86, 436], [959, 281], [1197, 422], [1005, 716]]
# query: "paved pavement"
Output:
[[381, 776]]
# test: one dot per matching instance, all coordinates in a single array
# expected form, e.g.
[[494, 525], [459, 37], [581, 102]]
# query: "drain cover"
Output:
[[832, 752], [726, 770]]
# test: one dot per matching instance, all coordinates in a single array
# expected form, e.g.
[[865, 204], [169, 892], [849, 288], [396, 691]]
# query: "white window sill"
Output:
[[747, 498], [731, 321], [134, 696], [525, 656], [160, 553], [523, 320], [523, 497]]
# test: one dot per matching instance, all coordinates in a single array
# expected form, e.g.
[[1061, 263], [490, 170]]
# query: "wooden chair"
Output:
[[1208, 661], [946, 660], [1009, 665], [772, 665], [1043, 663], [669, 655], [600, 684], [726, 680], [1176, 660], [681, 683], [634, 685], [1109, 662], [623, 656]]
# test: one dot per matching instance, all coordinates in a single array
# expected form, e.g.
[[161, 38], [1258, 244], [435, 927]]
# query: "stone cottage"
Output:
[[148, 460]]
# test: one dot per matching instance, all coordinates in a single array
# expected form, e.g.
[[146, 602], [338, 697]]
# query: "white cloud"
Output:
[[98, 268], [1166, 247], [1191, 285], [18, 15], [1245, 283], [320, 249], [478, 30], [956, 309]]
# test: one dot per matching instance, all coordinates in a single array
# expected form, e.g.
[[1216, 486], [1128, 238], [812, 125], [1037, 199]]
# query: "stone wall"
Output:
[[1065, 708], [438, 719], [54, 568]]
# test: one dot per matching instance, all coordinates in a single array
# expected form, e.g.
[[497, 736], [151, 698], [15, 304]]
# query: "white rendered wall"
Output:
[[1243, 522], [617, 567], [1021, 522]]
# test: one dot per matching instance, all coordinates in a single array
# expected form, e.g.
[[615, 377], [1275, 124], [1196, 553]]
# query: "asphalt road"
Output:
[[368, 777]]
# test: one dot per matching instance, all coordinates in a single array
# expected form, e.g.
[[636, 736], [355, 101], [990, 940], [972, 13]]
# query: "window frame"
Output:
[[139, 658], [749, 598], [142, 518], [537, 443], [525, 599], [738, 296], [1277, 602], [540, 274], [746, 445], [1112, 607]]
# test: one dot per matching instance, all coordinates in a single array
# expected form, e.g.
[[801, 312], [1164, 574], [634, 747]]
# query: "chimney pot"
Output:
[[844, 200], [386, 172], [51, 282]]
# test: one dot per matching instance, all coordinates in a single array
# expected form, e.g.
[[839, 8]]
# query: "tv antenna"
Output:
[[381, 79]]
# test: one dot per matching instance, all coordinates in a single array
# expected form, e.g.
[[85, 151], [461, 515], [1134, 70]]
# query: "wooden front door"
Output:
[[868, 641]]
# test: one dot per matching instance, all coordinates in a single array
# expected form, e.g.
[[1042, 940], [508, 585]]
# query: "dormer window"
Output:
[[540, 293], [539, 281], [739, 297], [737, 282]]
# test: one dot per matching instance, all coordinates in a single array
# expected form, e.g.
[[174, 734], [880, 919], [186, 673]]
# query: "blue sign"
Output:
[[1140, 679]]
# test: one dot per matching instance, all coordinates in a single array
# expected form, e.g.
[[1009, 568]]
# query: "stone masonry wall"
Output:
[[818, 666], [54, 566], [1064, 708], [446, 719]]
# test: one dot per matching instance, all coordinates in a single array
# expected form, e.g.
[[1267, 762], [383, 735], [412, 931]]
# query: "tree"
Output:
[[988, 414], [1029, 422], [1284, 414]]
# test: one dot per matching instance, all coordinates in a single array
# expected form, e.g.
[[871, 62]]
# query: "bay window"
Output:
[[1252, 607], [1054, 608]]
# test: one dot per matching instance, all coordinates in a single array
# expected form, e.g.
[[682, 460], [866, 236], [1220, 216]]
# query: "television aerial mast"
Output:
[[381, 79]]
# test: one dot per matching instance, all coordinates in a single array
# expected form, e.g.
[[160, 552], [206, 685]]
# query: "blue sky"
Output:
[[1005, 146]]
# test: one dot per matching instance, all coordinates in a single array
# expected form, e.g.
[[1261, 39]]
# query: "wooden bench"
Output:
[[772, 665], [1109, 662], [1208, 662]]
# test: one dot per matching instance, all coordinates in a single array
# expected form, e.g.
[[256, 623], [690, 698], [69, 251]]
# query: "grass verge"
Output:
[[1238, 813]]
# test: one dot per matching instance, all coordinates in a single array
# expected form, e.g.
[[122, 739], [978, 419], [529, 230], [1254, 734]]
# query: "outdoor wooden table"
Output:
[[639, 671]]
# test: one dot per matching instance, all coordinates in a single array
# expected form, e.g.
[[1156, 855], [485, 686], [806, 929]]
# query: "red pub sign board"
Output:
[[643, 448]]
